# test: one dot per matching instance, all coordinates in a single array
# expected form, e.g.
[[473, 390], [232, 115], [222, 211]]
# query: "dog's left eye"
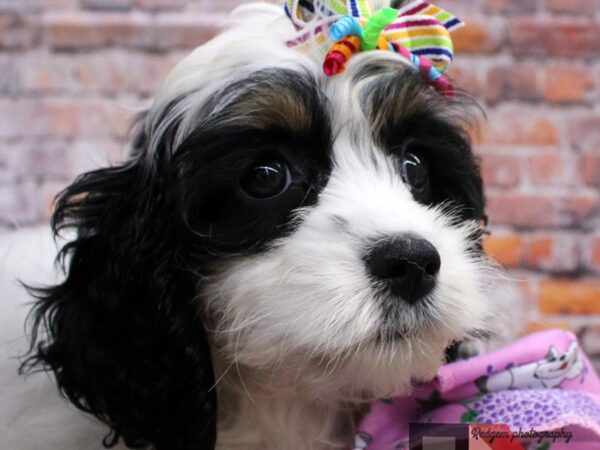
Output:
[[415, 173], [266, 179]]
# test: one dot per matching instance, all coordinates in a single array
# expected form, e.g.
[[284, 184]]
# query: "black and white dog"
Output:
[[279, 250]]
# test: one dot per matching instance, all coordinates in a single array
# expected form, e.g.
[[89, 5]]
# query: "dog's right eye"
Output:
[[266, 180], [415, 173]]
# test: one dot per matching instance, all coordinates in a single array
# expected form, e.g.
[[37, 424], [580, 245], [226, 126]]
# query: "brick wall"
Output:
[[535, 66], [72, 72]]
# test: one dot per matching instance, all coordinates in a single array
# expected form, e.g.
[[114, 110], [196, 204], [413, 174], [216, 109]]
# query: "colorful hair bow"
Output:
[[419, 31]]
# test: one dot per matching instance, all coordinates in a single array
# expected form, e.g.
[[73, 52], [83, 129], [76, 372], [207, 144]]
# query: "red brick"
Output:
[[166, 31], [160, 5], [569, 297], [33, 159], [184, 31], [10, 161], [8, 74], [584, 132], [115, 5], [63, 117], [105, 117], [53, 5], [595, 253], [73, 31], [581, 7], [513, 83], [568, 84], [108, 72], [18, 31], [465, 75], [510, 6], [578, 209], [521, 127], [499, 170], [24, 6], [28, 118], [526, 290], [57, 159], [538, 250], [533, 210], [44, 73], [553, 36], [589, 339], [550, 169], [589, 168], [553, 253], [480, 35], [147, 72], [523, 210], [505, 249]]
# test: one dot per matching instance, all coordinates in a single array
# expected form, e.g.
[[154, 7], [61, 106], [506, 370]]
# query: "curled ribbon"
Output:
[[420, 32], [339, 54]]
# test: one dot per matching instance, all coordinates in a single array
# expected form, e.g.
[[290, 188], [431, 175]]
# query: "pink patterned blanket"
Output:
[[541, 386]]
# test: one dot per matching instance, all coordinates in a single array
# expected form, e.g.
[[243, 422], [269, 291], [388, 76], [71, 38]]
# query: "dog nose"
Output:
[[407, 264]]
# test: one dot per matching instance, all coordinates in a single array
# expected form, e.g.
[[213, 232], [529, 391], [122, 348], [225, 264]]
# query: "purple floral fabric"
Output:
[[531, 407]]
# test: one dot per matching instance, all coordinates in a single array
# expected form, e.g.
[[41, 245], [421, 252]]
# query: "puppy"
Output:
[[280, 249]]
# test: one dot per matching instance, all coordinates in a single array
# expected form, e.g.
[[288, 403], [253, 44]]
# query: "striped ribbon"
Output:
[[421, 28], [424, 29]]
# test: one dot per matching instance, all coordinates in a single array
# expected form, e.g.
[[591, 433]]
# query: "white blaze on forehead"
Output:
[[256, 39]]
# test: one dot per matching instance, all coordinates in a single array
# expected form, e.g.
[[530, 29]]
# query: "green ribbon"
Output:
[[375, 25]]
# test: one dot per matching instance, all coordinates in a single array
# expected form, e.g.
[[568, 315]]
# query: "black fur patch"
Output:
[[406, 113], [213, 204]]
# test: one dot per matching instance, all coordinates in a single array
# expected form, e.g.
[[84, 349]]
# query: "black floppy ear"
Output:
[[122, 333]]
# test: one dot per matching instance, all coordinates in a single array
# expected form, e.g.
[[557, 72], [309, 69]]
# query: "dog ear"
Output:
[[122, 333]]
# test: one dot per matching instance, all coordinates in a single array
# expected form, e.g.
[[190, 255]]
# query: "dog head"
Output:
[[325, 230]]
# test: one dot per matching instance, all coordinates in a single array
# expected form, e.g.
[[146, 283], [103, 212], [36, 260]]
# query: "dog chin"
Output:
[[388, 362], [401, 356], [383, 370]]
